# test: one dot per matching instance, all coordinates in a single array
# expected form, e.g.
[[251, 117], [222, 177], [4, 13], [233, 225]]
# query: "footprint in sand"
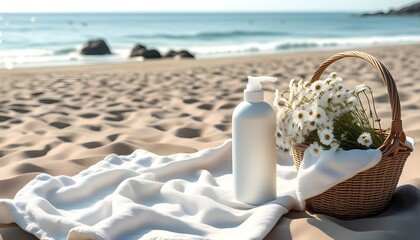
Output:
[[71, 106], [91, 145], [113, 137], [160, 128], [206, 106], [16, 121], [65, 138], [222, 127], [188, 132], [95, 128], [228, 106], [118, 112], [384, 98], [198, 119], [120, 148], [4, 118], [36, 153], [113, 104], [59, 125], [20, 110], [184, 115], [153, 102], [28, 167], [88, 115], [48, 100], [36, 94], [114, 118], [190, 101]]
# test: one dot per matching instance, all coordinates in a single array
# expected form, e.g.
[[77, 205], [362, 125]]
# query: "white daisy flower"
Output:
[[333, 75], [326, 136], [328, 86], [320, 115], [311, 125], [318, 86], [339, 97], [300, 117], [310, 112], [315, 149], [334, 146], [336, 80], [365, 139], [323, 99], [338, 87]]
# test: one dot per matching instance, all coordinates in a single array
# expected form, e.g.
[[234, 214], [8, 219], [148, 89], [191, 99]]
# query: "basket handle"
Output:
[[396, 138]]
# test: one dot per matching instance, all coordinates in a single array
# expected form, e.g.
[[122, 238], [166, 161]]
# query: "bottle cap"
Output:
[[253, 91]]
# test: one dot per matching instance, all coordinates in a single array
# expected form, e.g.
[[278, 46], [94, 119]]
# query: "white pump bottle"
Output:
[[254, 146]]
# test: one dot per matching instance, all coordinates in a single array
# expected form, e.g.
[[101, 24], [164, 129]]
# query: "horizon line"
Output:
[[189, 12]]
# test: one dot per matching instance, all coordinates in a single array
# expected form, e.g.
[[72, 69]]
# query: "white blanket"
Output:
[[182, 196]]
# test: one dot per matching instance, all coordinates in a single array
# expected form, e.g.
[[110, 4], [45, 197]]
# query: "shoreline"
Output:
[[152, 65]]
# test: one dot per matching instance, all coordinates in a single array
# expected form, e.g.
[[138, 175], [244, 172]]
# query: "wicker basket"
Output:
[[368, 192]]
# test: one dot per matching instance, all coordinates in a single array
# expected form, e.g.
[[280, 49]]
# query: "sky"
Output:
[[7, 6]]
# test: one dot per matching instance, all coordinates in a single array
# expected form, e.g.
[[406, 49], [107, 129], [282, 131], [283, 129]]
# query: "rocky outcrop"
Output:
[[171, 54], [178, 55], [138, 50], [184, 54], [152, 53], [95, 47], [412, 10]]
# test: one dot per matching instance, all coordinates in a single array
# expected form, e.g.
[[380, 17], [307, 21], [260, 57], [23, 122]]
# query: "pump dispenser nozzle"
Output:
[[253, 91]]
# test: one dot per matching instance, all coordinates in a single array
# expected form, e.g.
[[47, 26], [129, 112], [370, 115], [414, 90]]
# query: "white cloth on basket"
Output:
[[181, 196]]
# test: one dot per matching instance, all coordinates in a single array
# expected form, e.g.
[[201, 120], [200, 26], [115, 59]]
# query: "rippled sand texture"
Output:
[[62, 120]]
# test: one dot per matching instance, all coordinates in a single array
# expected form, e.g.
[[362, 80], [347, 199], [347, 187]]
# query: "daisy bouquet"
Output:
[[324, 115]]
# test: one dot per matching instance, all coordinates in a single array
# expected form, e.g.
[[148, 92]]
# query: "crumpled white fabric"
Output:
[[181, 196]]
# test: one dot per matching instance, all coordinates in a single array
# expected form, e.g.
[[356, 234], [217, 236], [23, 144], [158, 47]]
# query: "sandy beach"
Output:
[[62, 120]]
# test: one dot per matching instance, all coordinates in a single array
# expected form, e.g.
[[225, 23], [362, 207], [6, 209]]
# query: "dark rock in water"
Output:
[[412, 10], [180, 54], [184, 54], [152, 53], [95, 47], [170, 54], [138, 50]]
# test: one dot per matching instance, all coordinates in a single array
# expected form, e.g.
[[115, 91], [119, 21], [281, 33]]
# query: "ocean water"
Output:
[[31, 40]]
